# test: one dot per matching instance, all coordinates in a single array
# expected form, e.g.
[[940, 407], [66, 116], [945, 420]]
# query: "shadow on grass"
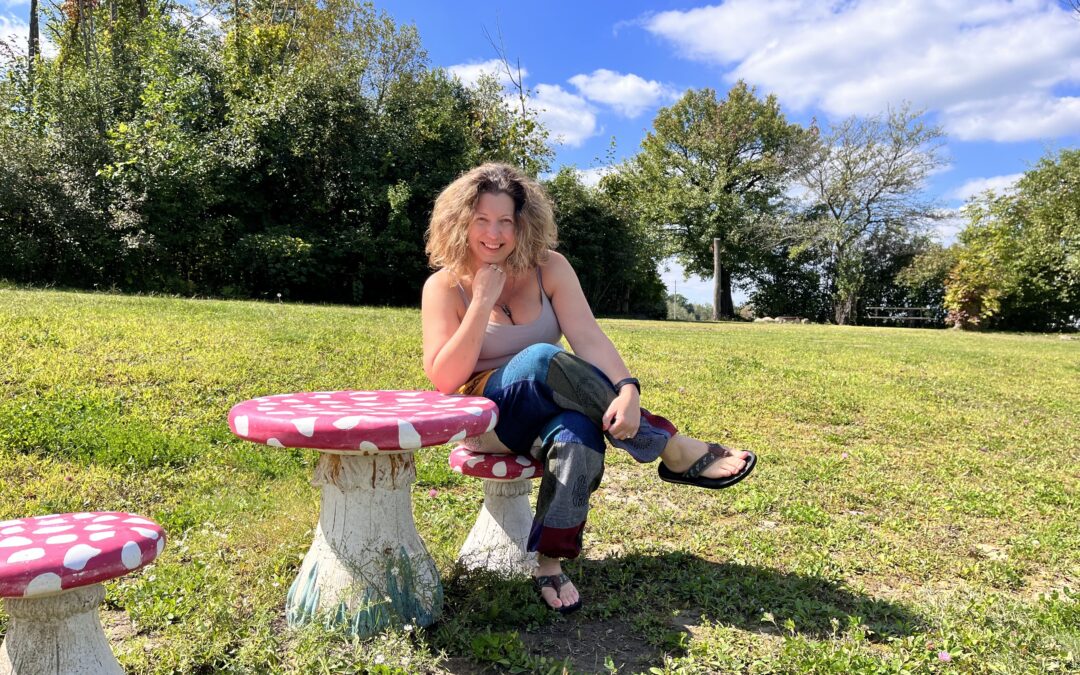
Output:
[[630, 602], [741, 596]]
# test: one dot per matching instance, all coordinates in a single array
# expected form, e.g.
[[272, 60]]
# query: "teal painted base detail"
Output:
[[371, 612]]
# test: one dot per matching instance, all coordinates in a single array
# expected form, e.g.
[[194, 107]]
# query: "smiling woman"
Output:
[[493, 315]]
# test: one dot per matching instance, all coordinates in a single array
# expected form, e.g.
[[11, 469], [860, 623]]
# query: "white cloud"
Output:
[[630, 95], [469, 73], [858, 57], [1010, 118], [591, 177], [977, 186], [568, 117], [950, 225], [14, 33]]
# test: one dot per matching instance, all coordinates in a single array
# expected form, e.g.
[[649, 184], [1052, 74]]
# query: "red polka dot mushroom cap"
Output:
[[44, 555], [362, 422], [494, 466]]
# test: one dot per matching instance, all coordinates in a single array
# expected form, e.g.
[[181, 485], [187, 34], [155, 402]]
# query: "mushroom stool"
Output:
[[367, 568], [497, 539], [51, 569]]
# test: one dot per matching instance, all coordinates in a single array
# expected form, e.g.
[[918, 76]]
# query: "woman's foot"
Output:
[[562, 597], [682, 452]]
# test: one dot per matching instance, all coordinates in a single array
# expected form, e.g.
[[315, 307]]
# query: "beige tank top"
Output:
[[503, 340]]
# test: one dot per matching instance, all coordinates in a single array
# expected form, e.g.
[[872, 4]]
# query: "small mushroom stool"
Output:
[[367, 567], [51, 569], [497, 539]]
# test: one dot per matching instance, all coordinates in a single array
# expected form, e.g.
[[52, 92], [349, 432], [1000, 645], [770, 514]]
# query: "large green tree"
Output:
[[1018, 260], [716, 169]]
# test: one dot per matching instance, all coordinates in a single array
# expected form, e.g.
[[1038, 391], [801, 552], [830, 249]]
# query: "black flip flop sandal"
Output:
[[692, 476], [556, 582]]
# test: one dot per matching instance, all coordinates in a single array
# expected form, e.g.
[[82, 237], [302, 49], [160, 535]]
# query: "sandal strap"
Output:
[[553, 581], [715, 452]]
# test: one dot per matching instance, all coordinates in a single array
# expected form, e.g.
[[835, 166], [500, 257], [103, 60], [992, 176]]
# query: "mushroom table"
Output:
[[51, 569], [367, 567]]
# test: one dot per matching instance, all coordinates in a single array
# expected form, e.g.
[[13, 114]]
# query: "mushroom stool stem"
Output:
[[367, 567], [57, 634], [498, 539]]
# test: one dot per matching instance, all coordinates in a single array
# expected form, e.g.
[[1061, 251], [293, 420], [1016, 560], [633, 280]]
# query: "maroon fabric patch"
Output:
[[659, 422], [556, 542]]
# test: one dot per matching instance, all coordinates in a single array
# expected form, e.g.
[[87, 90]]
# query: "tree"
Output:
[[863, 178], [714, 169], [1018, 263]]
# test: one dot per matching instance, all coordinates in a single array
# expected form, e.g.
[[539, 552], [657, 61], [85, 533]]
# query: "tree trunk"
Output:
[[34, 41], [723, 307]]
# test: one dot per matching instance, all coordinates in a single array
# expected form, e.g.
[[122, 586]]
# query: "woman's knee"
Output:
[[531, 362], [573, 427]]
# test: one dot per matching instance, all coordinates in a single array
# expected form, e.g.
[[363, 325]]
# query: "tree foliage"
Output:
[[864, 180], [295, 151], [1018, 260], [715, 169]]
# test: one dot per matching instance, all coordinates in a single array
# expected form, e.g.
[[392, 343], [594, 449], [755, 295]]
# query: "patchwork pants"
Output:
[[549, 394]]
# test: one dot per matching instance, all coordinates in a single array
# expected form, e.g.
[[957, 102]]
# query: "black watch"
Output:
[[625, 381]]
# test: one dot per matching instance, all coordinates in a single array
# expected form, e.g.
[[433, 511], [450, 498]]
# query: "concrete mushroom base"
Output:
[[367, 568], [59, 634], [498, 538]]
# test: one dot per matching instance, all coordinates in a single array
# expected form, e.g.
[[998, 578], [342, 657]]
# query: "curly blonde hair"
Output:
[[534, 221]]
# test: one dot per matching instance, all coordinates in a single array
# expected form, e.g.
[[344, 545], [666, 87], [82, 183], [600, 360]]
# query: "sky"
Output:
[[1001, 77]]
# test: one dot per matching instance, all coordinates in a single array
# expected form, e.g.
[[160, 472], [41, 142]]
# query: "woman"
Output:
[[493, 315]]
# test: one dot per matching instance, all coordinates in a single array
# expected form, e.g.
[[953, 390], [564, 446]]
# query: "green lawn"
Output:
[[916, 507]]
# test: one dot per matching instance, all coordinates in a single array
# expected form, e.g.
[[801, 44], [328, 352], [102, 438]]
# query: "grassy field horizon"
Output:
[[915, 508]]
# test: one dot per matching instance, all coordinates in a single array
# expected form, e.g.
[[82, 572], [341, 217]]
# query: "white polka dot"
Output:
[[408, 437], [130, 555], [347, 422], [457, 468], [368, 446], [459, 436], [83, 516], [493, 422], [49, 520], [305, 425], [159, 547], [26, 555], [527, 472], [105, 518], [274, 443], [139, 521], [12, 530], [291, 400], [523, 461], [52, 530], [9, 523], [14, 541], [281, 413], [241, 424], [78, 555], [98, 536], [471, 463], [97, 527], [151, 534], [43, 584], [62, 539], [473, 410], [499, 470]]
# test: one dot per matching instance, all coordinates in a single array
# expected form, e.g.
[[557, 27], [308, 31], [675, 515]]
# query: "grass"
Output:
[[917, 498]]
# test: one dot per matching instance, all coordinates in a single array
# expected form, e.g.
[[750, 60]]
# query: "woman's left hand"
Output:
[[623, 416]]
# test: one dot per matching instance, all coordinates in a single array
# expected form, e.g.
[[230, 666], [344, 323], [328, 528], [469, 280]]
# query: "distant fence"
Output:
[[908, 316]]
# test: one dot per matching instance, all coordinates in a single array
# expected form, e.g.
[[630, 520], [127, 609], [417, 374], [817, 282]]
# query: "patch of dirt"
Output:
[[117, 625], [588, 644]]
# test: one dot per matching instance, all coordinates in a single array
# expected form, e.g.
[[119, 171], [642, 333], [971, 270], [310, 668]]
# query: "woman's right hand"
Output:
[[487, 285]]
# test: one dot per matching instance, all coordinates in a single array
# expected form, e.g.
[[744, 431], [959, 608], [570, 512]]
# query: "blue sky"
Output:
[[1002, 78]]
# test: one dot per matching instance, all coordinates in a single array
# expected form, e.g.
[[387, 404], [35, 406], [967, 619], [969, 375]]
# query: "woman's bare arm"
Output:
[[452, 342]]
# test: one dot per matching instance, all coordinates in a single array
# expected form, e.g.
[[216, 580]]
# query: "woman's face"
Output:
[[492, 233]]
